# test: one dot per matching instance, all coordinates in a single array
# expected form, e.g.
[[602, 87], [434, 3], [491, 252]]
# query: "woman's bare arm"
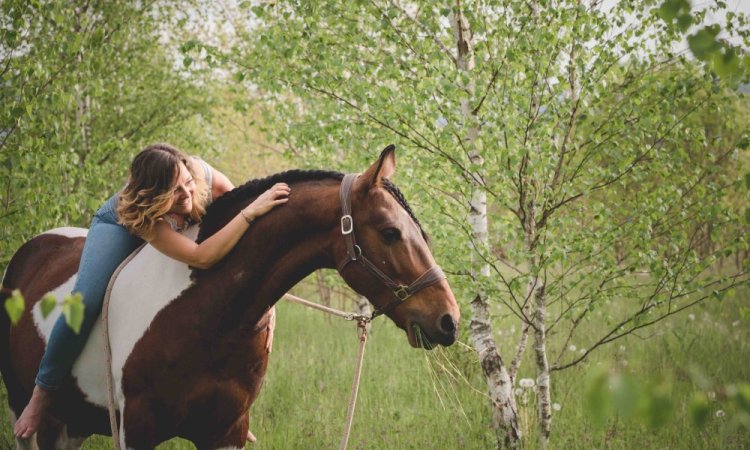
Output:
[[210, 251]]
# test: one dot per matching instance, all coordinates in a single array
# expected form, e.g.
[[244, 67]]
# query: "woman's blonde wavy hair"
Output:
[[149, 193]]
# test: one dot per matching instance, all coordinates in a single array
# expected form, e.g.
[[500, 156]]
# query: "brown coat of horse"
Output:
[[200, 364]]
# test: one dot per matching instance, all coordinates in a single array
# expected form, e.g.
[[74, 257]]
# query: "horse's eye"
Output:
[[391, 235]]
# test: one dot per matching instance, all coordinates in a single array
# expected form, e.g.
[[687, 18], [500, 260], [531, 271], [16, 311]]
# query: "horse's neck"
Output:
[[280, 250]]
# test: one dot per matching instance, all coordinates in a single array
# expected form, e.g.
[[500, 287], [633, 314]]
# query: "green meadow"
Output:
[[413, 399]]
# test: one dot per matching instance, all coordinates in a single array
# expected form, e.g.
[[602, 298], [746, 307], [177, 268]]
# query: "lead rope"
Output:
[[108, 350], [362, 330], [362, 322]]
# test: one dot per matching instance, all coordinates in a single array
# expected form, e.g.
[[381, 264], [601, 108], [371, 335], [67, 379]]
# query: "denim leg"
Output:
[[107, 245]]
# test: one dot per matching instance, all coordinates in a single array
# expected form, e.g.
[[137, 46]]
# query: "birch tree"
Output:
[[563, 143], [500, 386]]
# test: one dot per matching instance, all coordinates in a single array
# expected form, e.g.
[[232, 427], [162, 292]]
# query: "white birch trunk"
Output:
[[499, 385], [542, 367], [544, 404]]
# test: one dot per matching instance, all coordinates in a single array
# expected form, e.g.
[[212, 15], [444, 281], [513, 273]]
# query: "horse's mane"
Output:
[[216, 211]]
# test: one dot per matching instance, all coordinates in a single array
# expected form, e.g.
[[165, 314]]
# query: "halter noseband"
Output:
[[354, 253]]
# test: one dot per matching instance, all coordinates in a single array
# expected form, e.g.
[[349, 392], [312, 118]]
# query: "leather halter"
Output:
[[354, 253]]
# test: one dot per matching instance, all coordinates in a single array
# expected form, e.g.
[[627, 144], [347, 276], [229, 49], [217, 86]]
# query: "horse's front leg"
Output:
[[233, 438], [139, 429]]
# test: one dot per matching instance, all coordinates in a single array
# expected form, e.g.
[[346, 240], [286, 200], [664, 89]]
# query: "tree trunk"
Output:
[[544, 404], [499, 385], [542, 368]]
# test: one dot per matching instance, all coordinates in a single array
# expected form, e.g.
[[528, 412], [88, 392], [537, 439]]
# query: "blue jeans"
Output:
[[107, 245]]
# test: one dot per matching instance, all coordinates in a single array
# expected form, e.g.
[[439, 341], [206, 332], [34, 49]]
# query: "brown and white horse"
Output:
[[189, 346]]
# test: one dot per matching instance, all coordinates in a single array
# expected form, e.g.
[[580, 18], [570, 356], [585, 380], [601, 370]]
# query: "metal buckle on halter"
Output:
[[347, 224], [402, 292]]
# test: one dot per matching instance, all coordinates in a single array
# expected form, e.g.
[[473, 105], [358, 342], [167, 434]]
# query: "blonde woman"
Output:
[[166, 191]]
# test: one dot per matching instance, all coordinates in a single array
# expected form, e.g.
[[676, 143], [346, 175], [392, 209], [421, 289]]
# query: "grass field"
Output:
[[411, 399]]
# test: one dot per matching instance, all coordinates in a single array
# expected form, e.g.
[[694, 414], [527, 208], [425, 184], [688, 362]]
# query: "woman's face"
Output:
[[182, 195]]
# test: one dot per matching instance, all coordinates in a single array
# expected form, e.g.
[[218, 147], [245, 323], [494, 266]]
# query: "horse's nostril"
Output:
[[447, 324]]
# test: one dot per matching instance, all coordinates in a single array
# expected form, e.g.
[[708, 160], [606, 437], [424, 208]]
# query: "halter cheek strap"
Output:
[[354, 253]]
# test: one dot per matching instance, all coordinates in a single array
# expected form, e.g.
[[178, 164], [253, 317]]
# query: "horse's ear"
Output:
[[384, 167]]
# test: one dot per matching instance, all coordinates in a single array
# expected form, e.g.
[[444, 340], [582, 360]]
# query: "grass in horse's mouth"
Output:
[[421, 337]]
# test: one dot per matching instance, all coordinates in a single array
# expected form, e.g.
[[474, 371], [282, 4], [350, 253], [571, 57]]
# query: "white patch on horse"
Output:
[[45, 325], [143, 288], [71, 232]]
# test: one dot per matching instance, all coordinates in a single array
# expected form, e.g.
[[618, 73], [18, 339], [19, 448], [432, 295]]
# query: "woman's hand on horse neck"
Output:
[[210, 251]]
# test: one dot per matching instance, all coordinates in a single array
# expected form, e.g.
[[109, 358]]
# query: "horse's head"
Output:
[[383, 255]]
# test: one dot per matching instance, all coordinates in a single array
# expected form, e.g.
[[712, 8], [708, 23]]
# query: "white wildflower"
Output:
[[518, 391], [720, 413], [624, 363], [736, 323], [711, 395], [572, 348], [691, 316], [622, 348], [526, 383], [583, 351], [556, 406]]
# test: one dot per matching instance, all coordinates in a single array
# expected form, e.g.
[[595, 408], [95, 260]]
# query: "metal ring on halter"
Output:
[[357, 251], [402, 292], [347, 224]]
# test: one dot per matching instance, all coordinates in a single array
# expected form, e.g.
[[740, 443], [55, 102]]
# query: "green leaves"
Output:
[[73, 311], [47, 304], [725, 59], [676, 10], [72, 308], [72, 114], [629, 398], [703, 43], [14, 306]]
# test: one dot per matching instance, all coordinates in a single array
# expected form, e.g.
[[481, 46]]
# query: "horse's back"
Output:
[[46, 263]]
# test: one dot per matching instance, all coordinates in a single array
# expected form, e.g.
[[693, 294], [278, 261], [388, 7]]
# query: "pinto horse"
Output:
[[189, 346]]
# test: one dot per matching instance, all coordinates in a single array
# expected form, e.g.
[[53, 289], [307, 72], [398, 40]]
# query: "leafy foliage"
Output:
[[609, 174], [14, 306], [727, 60], [84, 87]]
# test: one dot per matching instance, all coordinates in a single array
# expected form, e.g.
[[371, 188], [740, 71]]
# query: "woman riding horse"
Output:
[[166, 191]]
